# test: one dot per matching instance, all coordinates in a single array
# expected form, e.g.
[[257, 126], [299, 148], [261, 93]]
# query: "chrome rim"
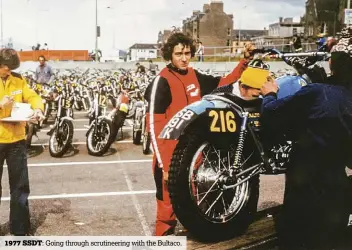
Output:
[[209, 170]]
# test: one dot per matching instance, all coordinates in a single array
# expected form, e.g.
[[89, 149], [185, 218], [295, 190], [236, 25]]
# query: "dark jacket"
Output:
[[317, 201]]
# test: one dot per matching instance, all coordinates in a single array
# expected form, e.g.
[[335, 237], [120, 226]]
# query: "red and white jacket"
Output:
[[171, 91]]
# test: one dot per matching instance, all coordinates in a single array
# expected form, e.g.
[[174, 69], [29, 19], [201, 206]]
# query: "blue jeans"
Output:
[[15, 155]]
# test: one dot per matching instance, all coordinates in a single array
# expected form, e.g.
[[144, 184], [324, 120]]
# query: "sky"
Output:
[[70, 24]]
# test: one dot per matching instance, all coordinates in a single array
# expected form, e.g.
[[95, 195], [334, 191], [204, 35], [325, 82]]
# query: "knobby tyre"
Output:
[[192, 212], [98, 138], [137, 130], [118, 121], [63, 137], [146, 138], [29, 134]]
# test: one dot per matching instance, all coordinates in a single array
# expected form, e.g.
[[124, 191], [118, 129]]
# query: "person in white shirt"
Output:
[[200, 52]]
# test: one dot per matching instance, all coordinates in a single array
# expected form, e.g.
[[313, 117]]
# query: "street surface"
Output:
[[111, 195]]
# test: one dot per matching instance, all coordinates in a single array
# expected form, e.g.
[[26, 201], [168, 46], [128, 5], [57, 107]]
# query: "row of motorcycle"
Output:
[[108, 97]]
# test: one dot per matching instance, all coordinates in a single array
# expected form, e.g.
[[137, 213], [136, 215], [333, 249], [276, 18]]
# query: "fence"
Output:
[[223, 54]]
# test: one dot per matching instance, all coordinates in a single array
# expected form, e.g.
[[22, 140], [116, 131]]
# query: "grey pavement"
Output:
[[109, 195]]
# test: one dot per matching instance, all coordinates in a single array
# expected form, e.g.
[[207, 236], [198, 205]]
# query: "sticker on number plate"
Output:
[[177, 124]]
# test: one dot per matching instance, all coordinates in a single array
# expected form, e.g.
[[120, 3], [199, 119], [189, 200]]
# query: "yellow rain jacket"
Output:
[[17, 87]]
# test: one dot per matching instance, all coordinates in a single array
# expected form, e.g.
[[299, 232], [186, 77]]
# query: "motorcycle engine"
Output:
[[281, 154]]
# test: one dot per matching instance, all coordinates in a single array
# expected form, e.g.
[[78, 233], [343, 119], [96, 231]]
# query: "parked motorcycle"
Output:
[[61, 133], [99, 136], [214, 172]]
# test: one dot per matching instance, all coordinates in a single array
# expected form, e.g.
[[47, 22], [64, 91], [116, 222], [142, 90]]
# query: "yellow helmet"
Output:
[[255, 75]]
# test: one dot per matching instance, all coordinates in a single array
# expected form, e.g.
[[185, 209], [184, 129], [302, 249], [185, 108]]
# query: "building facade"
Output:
[[286, 27], [324, 16], [241, 37], [142, 51], [212, 26]]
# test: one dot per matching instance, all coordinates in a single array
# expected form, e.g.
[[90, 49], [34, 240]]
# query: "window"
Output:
[[294, 30], [228, 43], [229, 32]]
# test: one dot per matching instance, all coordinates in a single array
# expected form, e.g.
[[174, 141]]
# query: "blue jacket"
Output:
[[318, 117]]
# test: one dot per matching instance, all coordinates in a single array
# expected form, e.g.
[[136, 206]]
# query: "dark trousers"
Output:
[[16, 158], [316, 205]]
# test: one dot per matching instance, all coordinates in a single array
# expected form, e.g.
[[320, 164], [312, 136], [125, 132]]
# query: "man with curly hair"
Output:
[[14, 88], [176, 86]]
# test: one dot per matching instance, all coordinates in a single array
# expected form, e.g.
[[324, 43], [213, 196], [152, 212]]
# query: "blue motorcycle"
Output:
[[215, 168]]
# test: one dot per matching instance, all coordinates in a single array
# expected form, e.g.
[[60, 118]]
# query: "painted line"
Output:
[[80, 120], [84, 195], [83, 129], [137, 206], [141, 216], [75, 143], [77, 163], [76, 129]]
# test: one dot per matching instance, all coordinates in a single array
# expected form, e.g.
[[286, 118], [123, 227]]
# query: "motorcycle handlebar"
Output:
[[279, 54], [285, 56]]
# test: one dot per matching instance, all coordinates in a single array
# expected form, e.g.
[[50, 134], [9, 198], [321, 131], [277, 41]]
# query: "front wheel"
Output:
[[197, 175], [61, 139], [137, 129], [30, 131], [98, 138], [145, 138]]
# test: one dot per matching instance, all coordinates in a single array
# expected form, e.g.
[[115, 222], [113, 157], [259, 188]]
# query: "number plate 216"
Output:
[[222, 121]]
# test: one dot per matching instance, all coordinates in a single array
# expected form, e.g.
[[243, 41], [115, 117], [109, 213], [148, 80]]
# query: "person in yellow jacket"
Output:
[[14, 88]]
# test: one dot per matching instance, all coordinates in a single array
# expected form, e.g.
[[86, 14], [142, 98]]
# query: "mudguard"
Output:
[[93, 122], [188, 115], [54, 126]]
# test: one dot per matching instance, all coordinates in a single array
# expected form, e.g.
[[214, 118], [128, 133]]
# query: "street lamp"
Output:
[[96, 30], [114, 27]]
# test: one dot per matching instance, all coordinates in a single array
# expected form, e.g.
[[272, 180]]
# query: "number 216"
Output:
[[227, 121]]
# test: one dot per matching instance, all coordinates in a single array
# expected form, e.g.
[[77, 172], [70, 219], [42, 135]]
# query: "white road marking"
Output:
[[75, 143], [57, 164], [76, 129], [82, 129], [83, 195], [136, 204]]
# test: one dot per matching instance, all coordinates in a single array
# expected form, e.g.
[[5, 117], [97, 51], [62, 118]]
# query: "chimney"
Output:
[[217, 6], [195, 12], [280, 19], [288, 20]]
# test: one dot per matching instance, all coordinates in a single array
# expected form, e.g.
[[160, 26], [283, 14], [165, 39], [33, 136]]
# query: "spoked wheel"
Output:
[[98, 138], [197, 176], [61, 139], [145, 138], [30, 131], [137, 130]]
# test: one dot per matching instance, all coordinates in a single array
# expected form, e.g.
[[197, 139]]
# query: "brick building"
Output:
[[324, 16], [212, 26]]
